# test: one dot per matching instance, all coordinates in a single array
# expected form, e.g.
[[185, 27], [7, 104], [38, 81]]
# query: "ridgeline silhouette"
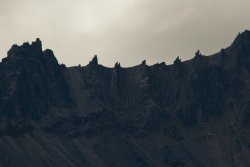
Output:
[[191, 113]]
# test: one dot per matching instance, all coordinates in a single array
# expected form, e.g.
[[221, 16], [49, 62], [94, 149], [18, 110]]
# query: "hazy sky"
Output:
[[123, 30]]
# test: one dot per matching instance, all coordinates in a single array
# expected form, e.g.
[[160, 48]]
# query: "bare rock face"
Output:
[[32, 83], [191, 113]]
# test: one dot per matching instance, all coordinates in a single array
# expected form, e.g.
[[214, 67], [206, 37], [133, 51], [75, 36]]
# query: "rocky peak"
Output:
[[243, 36], [94, 61], [117, 65], [37, 45], [177, 61], [242, 42], [33, 81], [49, 56], [198, 53], [26, 50], [30, 53], [143, 62], [198, 59]]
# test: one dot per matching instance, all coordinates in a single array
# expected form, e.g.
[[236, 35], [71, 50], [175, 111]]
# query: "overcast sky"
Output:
[[128, 31]]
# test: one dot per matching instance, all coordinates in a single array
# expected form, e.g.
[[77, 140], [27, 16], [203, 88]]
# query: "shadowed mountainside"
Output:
[[194, 113]]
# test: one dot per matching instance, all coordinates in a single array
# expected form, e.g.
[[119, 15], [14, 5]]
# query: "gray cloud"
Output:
[[126, 31]]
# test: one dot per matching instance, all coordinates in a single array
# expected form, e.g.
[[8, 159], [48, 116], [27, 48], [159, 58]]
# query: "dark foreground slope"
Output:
[[189, 114]]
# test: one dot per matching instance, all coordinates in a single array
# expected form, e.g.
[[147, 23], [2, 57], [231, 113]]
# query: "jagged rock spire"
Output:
[[143, 62], [94, 60], [37, 45], [178, 66], [177, 61], [38, 42], [117, 65], [198, 53]]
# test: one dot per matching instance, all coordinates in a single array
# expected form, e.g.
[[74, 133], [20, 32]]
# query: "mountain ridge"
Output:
[[190, 113], [38, 46]]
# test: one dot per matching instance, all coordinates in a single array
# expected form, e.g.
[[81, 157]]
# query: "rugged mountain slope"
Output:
[[193, 113]]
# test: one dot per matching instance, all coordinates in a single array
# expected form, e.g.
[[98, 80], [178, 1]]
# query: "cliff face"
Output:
[[192, 113]]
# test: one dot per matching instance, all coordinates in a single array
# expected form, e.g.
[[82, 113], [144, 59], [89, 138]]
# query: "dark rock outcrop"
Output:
[[32, 83], [191, 113]]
